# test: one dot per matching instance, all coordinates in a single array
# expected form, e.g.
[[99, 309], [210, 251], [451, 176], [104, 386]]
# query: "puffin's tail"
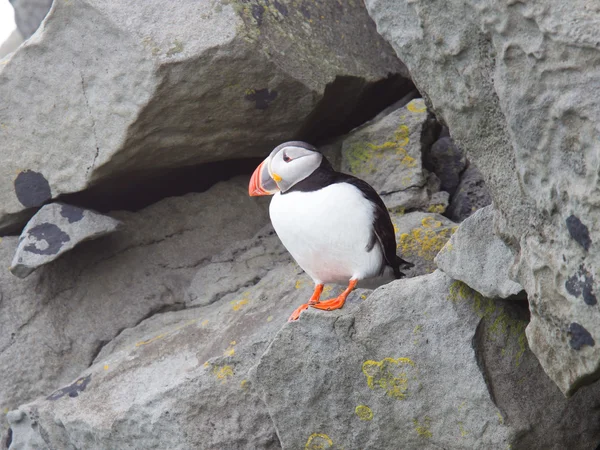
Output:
[[401, 264]]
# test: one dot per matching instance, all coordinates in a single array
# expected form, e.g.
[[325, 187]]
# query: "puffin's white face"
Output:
[[287, 164]]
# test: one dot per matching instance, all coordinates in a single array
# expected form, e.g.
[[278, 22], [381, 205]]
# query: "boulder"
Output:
[[470, 195], [54, 230], [56, 321], [513, 82], [182, 380], [479, 258], [447, 161], [153, 88], [422, 363], [29, 14], [386, 153], [420, 236]]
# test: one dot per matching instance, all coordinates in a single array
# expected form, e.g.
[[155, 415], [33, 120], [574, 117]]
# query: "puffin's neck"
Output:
[[322, 176]]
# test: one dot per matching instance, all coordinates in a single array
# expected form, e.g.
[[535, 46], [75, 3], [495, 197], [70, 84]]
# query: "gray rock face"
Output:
[[55, 321], [54, 230], [447, 161], [391, 373], [399, 369], [29, 14], [386, 153], [477, 257], [420, 236], [154, 88], [191, 368], [471, 195], [513, 84]]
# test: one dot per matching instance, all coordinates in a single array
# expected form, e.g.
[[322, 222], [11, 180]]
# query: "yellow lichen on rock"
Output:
[[389, 374], [417, 106], [436, 208], [364, 412], [363, 156], [425, 241], [422, 429], [318, 441], [501, 325], [222, 373]]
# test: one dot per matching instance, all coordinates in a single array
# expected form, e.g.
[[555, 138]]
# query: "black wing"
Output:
[[383, 229]]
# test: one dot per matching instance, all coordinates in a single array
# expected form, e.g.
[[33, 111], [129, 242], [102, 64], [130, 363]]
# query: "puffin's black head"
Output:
[[287, 164]]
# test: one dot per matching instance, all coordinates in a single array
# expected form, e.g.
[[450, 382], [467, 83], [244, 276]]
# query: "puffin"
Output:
[[335, 226]]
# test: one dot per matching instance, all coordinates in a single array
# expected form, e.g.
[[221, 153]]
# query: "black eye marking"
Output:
[[286, 158]]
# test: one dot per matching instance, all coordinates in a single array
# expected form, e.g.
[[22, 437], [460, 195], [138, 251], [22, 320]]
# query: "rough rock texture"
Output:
[[180, 380], [479, 258], [386, 153], [29, 14], [153, 87], [402, 370], [55, 321], [447, 161], [513, 82], [54, 230], [471, 195], [11, 43], [420, 236]]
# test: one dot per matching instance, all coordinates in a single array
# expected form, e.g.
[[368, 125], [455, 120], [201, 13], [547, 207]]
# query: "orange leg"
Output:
[[314, 299], [336, 303], [316, 295]]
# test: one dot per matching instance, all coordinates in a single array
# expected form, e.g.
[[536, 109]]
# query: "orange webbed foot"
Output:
[[314, 299], [336, 303], [329, 305], [296, 314]]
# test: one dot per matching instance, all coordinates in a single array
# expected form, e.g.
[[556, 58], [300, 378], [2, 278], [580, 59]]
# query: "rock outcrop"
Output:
[[471, 195], [386, 153], [447, 161], [420, 236], [512, 82], [171, 332], [385, 372], [53, 231], [153, 88], [55, 321], [479, 258], [29, 15]]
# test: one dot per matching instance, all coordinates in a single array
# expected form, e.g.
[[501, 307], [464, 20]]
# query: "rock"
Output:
[[479, 258], [471, 195], [56, 229], [151, 89], [23, 432], [513, 85], [420, 363], [420, 236], [29, 14], [403, 370], [438, 202], [447, 161], [190, 367], [55, 321], [386, 153], [11, 43]]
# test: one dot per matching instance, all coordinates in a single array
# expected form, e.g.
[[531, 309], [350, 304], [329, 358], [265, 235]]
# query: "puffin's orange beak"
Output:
[[261, 182]]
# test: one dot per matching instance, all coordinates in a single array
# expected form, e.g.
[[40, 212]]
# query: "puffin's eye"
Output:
[[286, 158]]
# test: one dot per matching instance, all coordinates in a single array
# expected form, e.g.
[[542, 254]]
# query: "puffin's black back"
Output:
[[383, 229]]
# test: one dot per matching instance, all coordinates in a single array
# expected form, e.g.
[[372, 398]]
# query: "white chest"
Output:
[[327, 232]]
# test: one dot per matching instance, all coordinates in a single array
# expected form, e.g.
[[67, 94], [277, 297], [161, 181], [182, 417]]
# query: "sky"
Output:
[[7, 20]]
